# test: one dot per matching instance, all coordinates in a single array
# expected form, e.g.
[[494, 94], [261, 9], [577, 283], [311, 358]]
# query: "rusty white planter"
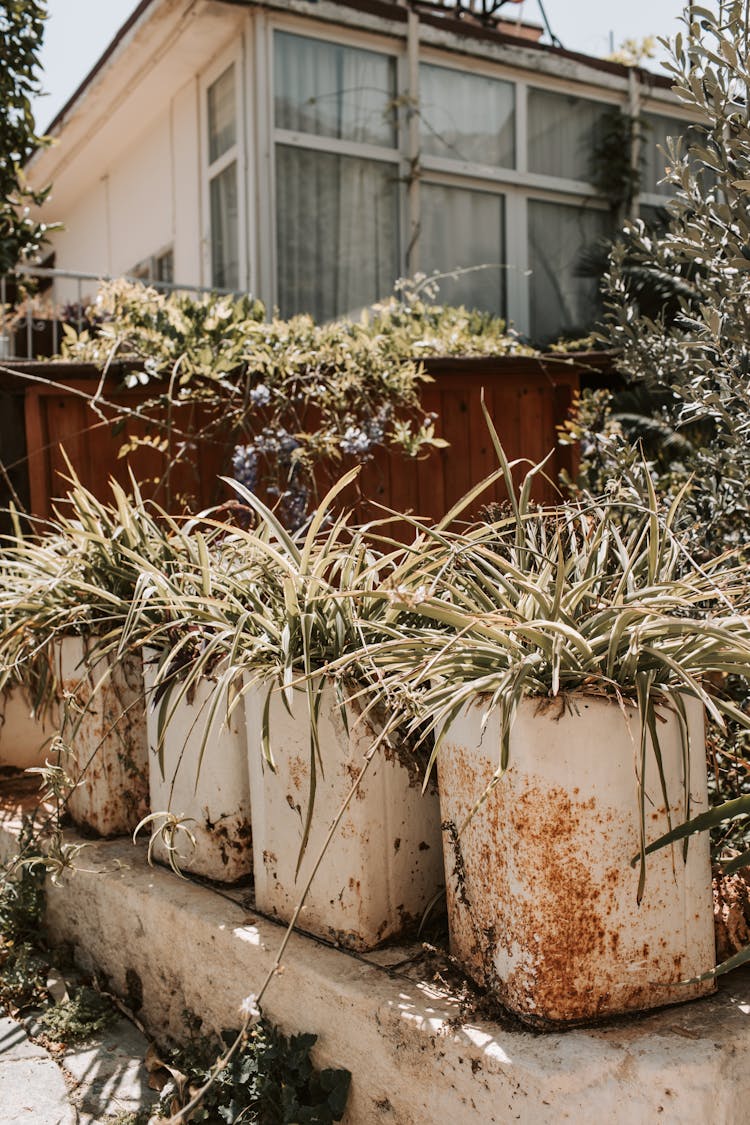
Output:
[[214, 794], [25, 739], [542, 898], [104, 736], [384, 864]]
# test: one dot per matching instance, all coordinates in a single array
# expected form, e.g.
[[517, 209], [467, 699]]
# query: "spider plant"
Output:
[[270, 609], [79, 573], [82, 576], [598, 596]]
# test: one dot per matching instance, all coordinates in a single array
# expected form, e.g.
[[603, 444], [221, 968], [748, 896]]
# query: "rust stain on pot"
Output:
[[107, 742], [528, 919], [353, 771]]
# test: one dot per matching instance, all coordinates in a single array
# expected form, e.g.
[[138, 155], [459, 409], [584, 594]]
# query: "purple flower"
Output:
[[245, 466], [355, 441], [260, 395]]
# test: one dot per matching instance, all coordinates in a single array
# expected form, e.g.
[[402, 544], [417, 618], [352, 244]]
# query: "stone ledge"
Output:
[[412, 1061]]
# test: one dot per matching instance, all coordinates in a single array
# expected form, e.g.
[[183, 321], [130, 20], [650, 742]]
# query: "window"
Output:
[[222, 123], [337, 229], [467, 117], [337, 232], [656, 134], [491, 184], [461, 228], [563, 241], [222, 181], [159, 267], [563, 133], [330, 90], [164, 266]]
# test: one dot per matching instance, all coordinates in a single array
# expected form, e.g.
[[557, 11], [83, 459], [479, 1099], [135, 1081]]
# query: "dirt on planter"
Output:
[[731, 912]]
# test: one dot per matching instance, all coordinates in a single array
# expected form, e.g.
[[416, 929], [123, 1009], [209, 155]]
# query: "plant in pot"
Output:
[[561, 658], [66, 596], [28, 722], [198, 769], [319, 753]]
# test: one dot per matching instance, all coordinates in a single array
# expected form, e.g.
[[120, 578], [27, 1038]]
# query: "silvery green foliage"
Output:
[[697, 347]]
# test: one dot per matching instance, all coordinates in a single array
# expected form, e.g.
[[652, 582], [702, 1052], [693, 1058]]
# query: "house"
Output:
[[312, 153]]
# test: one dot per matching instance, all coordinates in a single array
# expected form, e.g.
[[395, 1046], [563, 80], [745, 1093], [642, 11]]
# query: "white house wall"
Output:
[[84, 243], [142, 184], [127, 170]]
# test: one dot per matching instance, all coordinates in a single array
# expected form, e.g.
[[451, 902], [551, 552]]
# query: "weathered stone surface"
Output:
[[413, 1060], [109, 1076], [32, 1087]]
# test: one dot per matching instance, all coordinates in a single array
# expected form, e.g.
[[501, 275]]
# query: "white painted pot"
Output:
[[25, 738], [542, 897], [104, 736], [213, 794], [384, 864]]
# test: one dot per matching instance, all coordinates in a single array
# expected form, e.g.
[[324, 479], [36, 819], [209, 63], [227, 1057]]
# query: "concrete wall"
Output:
[[142, 201], [141, 197]]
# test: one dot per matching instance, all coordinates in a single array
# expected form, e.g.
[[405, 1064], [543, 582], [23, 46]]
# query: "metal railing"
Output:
[[486, 10], [31, 323]]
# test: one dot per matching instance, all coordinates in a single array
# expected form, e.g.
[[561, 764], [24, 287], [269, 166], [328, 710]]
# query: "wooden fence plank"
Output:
[[526, 397]]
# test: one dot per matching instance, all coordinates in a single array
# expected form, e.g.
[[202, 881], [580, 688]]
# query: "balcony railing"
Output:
[[31, 321], [482, 9]]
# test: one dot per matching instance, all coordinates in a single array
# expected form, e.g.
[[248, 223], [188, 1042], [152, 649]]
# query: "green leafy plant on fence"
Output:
[[297, 400]]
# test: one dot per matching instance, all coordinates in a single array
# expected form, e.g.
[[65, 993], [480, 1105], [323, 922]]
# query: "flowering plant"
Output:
[[296, 398]]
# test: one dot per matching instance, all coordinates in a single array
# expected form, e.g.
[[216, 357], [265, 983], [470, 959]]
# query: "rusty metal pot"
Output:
[[542, 897]]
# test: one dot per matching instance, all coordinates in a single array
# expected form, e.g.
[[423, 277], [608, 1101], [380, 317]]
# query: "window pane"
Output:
[[337, 232], [564, 131], [222, 112], [564, 299], [164, 266], [461, 229], [467, 117], [225, 268], [334, 91]]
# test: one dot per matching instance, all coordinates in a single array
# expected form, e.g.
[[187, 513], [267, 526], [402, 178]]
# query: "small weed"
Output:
[[23, 956], [77, 1019], [270, 1081]]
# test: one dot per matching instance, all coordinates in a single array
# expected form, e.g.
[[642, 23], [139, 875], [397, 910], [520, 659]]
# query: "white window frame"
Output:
[[235, 154], [393, 49], [518, 185]]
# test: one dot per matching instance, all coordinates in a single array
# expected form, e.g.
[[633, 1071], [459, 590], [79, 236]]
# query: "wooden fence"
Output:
[[527, 397]]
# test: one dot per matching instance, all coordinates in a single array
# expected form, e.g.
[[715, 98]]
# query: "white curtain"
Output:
[[561, 299], [225, 234], [337, 231], [333, 91], [467, 117], [563, 133], [222, 115], [459, 229]]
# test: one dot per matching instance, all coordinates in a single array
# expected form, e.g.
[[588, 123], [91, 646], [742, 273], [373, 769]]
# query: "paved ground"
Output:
[[90, 1084]]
